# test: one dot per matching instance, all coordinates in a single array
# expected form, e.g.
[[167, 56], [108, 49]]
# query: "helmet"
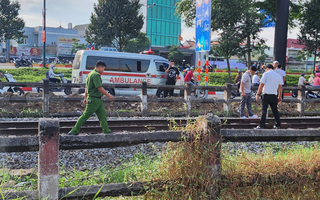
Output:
[[302, 74], [22, 54], [191, 68], [239, 71], [52, 66], [318, 74], [257, 72]]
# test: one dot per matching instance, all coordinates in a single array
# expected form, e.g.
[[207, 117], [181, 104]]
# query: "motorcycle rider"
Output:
[[51, 75], [23, 59]]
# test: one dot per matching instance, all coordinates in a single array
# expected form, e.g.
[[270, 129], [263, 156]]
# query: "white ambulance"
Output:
[[123, 68]]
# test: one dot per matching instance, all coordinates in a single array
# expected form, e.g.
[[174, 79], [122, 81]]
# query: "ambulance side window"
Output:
[[161, 67]]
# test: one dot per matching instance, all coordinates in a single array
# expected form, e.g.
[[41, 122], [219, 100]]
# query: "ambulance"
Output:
[[123, 68]]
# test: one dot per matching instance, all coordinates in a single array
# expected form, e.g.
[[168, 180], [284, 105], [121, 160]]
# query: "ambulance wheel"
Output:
[[160, 93]]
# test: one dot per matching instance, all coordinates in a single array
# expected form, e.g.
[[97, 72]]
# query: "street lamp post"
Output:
[[151, 6]]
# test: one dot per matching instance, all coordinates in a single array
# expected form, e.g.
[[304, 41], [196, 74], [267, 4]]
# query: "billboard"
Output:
[[28, 51], [203, 25], [64, 49], [67, 40]]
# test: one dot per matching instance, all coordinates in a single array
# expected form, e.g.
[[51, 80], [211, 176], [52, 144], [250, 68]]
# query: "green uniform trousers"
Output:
[[94, 105]]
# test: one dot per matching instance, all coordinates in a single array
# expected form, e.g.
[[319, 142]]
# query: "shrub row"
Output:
[[33, 74], [37, 74], [220, 79]]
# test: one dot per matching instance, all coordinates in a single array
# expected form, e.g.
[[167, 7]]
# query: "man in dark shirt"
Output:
[[172, 77]]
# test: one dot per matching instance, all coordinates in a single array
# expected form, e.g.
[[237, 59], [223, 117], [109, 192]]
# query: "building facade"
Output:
[[162, 26]]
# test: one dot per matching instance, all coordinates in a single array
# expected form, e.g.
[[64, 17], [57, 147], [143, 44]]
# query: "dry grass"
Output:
[[287, 174]]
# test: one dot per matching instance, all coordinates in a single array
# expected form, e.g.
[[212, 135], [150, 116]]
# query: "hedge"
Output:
[[220, 79], [33, 74]]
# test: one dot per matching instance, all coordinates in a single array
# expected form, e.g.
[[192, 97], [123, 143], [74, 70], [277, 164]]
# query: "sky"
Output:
[[62, 12]]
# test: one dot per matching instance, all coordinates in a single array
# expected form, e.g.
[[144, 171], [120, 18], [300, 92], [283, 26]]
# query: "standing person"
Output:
[[282, 73], [316, 81], [245, 88], [275, 64], [172, 77], [237, 79], [92, 99], [270, 86], [256, 79], [311, 80]]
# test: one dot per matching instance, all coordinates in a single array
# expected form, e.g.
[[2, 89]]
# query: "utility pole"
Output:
[[44, 33], [281, 32]]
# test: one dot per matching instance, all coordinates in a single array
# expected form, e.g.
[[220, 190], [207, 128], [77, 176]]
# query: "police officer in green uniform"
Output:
[[92, 99]]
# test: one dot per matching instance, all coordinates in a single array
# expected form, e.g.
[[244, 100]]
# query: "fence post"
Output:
[[45, 95], [187, 98], [227, 97], [301, 97], [48, 159], [213, 129], [144, 99]]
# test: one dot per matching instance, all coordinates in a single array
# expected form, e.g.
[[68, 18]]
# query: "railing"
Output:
[[49, 141], [144, 100]]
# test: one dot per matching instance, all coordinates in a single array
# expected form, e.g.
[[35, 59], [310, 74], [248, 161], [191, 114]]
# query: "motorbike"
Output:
[[235, 93], [66, 90], [22, 63], [309, 94], [15, 90]]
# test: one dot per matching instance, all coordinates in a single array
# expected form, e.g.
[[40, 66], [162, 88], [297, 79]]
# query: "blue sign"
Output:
[[268, 21], [203, 25]]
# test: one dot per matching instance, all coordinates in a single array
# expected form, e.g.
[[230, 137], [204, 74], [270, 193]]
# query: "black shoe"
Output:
[[276, 127], [258, 127], [70, 133]]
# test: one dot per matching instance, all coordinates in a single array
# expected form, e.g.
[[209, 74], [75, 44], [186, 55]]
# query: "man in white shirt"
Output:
[[270, 85], [282, 73], [275, 64], [256, 79], [245, 89]]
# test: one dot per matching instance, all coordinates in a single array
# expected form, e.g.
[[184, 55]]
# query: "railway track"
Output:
[[31, 127]]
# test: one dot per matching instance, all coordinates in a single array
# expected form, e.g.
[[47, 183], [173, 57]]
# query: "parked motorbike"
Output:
[[9, 78], [309, 94], [235, 93], [66, 90], [22, 63]]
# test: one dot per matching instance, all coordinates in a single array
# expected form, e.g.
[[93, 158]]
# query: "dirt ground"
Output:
[[164, 109]]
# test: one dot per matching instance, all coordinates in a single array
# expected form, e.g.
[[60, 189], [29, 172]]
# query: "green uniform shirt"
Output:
[[94, 81]]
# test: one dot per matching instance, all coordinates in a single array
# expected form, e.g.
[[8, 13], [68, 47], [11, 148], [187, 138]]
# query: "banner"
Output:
[[28, 51], [64, 49], [203, 25], [67, 40]]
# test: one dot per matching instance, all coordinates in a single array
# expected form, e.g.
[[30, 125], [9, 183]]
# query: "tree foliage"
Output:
[[186, 9], [114, 23], [175, 54], [10, 24], [310, 26], [76, 46], [138, 44]]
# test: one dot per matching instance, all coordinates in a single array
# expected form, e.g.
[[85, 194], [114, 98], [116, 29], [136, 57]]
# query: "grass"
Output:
[[279, 171]]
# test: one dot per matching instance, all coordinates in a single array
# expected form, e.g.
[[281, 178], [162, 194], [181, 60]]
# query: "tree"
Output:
[[310, 26], [76, 46], [260, 52], [186, 9], [114, 23], [138, 44], [175, 54], [10, 24]]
